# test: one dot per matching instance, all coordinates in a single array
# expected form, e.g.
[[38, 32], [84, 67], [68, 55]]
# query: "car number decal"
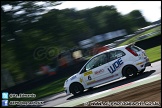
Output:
[[89, 77]]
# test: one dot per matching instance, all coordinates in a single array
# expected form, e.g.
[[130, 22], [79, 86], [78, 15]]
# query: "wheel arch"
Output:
[[128, 66], [75, 83]]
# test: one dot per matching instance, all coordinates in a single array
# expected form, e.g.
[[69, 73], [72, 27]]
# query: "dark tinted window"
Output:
[[115, 54], [97, 61]]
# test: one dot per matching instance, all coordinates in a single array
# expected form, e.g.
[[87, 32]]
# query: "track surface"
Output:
[[145, 95], [61, 98]]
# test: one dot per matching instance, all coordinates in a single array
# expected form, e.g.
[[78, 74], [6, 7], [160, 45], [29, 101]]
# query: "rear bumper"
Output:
[[147, 64]]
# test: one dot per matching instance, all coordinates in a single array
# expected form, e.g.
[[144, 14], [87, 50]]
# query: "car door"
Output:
[[116, 62], [95, 70]]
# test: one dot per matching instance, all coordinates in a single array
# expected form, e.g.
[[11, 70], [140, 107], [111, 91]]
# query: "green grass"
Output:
[[154, 54], [46, 90], [134, 38]]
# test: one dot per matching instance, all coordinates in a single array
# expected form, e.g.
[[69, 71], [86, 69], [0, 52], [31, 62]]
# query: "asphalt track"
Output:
[[61, 98]]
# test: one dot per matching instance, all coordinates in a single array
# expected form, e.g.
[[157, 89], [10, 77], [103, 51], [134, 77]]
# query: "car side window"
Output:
[[115, 54], [97, 61]]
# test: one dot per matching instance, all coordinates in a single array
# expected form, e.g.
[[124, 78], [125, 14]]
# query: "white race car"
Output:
[[124, 61]]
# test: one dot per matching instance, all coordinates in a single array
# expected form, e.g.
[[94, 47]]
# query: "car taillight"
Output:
[[131, 51], [144, 53]]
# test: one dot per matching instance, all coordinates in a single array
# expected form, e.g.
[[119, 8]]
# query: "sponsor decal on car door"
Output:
[[104, 74], [115, 67], [88, 77]]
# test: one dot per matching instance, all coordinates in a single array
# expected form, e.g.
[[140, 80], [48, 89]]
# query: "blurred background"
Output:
[[40, 38]]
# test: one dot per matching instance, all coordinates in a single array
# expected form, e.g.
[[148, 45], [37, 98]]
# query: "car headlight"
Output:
[[66, 81]]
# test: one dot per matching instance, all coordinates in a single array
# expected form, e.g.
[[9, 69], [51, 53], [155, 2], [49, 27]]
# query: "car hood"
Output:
[[71, 78]]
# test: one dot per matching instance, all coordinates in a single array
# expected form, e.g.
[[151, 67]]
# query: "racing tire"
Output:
[[76, 89], [130, 71]]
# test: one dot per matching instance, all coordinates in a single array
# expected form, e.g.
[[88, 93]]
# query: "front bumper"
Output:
[[67, 91]]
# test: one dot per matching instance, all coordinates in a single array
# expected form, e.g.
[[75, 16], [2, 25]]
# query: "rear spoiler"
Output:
[[132, 44]]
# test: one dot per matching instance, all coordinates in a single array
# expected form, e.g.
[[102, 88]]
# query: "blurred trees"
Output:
[[136, 20], [24, 29], [15, 40]]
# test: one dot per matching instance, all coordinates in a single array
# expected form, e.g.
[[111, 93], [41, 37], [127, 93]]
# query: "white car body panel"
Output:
[[109, 71]]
